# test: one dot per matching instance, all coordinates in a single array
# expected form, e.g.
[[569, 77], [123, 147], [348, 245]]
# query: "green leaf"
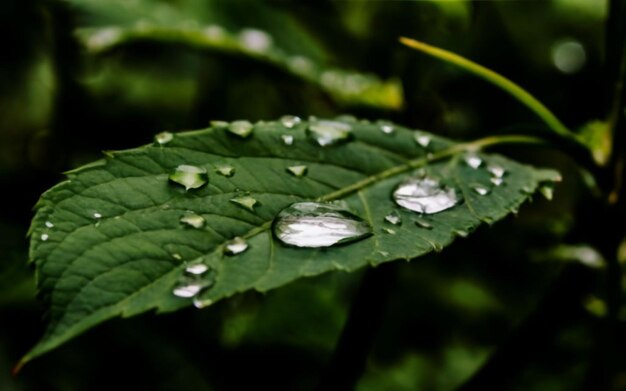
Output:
[[109, 241]]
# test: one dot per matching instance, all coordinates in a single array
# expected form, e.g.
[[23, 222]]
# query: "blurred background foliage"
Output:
[[81, 76]]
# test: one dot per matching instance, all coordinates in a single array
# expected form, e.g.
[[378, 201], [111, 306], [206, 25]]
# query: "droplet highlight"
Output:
[[387, 129], [480, 190], [496, 171], [422, 139], [190, 177], [473, 160], [314, 224], [326, 133], [287, 139], [49, 224], [44, 237], [425, 195]]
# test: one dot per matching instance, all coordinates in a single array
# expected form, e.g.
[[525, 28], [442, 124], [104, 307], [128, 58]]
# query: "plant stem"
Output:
[[498, 80], [359, 332]]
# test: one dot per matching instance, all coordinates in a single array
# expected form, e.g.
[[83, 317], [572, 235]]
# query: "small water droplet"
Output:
[[298, 171], [49, 224], [383, 253], [423, 224], [187, 290], [242, 128], [44, 237], [197, 268], [393, 218], [422, 139], [480, 189], [497, 181], [219, 124], [193, 220], [235, 246], [425, 195], [327, 133], [547, 190], [245, 202], [289, 121], [97, 215], [387, 129], [164, 137], [438, 247], [389, 231], [190, 177], [177, 256], [255, 40], [225, 170], [314, 224], [473, 160], [461, 233], [496, 171], [287, 139]]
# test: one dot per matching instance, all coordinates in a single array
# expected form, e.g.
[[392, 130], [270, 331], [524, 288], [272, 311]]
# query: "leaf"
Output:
[[109, 240]]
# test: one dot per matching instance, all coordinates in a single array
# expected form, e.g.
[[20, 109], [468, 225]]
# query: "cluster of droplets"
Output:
[[197, 279]]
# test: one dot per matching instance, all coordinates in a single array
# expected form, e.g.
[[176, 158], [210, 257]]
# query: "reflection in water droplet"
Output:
[[422, 139], [164, 137], [423, 224], [393, 218], [289, 121], [287, 139], [497, 181], [197, 269], [473, 160], [190, 177], [245, 202], [226, 170], [49, 224], [235, 246], [327, 133], [44, 237], [313, 224], [425, 195], [387, 129], [547, 190], [242, 129], [481, 190], [255, 40], [389, 231], [298, 171], [496, 171], [193, 220]]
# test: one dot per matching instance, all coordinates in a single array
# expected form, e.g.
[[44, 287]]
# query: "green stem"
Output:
[[498, 80]]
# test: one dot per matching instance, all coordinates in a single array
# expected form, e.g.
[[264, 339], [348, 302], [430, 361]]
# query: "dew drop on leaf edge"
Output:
[[327, 133], [289, 121], [163, 138], [241, 128]]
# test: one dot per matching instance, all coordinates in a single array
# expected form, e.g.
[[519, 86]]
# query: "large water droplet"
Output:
[[480, 189], [190, 177], [255, 40], [242, 129], [193, 220], [225, 170], [298, 171], [287, 139], [393, 218], [425, 195], [422, 139], [49, 224], [326, 133], [289, 121], [164, 137], [314, 224], [496, 171], [245, 202], [235, 246], [473, 160]]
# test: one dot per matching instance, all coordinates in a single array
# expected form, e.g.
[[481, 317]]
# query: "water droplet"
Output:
[[383, 253], [422, 139], [287, 139], [190, 177], [461, 233], [235, 246], [97, 215], [423, 224], [226, 170], [327, 133], [177, 256], [44, 237], [49, 224], [547, 190], [313, 224], [219, 124], [245, 202], [496, 171], [164, 137], [389, 231], [387, 129], [480, 189], [393, 218], [289, 121], [425, 195], [497, 181], [438, 247], [255, 40], [473, 160], [193, 220], [242, 129], [298, 171], [197, 268]]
